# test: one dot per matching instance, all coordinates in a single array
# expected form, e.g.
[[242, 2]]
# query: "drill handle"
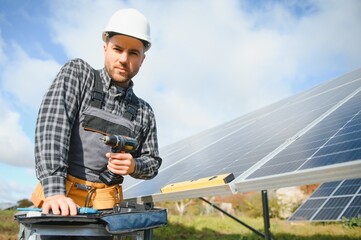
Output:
[[116, 150]]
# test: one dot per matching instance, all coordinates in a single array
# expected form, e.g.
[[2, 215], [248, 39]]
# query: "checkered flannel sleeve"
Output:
[[149, 161], [56, 116]]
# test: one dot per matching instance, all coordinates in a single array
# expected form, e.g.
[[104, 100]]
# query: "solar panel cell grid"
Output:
[[309, 209], [354, 210], [326, 189], [349, 187], [332, 209], [339, 199], [320, 155], [339, 157]]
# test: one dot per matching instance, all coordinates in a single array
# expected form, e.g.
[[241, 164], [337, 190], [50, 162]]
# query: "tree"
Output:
[[24, 203], [181, 206]]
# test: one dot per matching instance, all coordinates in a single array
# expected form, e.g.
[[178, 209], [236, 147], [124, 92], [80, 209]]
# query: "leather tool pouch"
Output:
[[107, 198]]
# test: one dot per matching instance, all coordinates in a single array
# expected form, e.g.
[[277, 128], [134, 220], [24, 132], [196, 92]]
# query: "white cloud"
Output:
[[27, 78], [17, 183], [15, 147], [78, 25], [327, 41], [2, 53], [23, 81]]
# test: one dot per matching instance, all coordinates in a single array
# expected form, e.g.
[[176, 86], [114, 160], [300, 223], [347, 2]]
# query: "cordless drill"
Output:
[[118, 143]]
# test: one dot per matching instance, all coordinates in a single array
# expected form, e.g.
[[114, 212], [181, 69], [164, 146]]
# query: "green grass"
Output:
[[215, 227], [8, 226]]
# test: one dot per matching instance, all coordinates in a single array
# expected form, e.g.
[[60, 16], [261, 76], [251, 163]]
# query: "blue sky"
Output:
[[211, 61]]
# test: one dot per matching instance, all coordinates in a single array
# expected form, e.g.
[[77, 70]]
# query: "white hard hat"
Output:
[[129, 22]]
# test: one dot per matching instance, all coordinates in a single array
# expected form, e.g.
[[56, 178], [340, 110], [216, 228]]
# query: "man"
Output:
[[80, 107]]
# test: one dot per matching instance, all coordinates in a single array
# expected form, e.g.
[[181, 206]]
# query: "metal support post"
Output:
[[148, 234], [267, 234]]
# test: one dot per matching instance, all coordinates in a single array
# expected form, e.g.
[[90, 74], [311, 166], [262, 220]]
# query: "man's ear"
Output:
[[142, 60]]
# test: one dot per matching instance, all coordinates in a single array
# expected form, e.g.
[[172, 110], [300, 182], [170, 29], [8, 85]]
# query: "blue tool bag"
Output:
[[120, 223], [132, 217]]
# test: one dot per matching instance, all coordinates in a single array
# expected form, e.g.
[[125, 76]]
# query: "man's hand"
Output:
[[60, 205], [121, 163]]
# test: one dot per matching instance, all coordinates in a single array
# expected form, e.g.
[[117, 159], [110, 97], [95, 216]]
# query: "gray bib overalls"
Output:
[[86, 157]]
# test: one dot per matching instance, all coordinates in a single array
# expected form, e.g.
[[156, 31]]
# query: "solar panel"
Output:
[[331, 202], [336, 139], [311, 137]]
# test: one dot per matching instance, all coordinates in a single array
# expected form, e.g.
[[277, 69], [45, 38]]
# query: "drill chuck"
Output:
[[121, 143]]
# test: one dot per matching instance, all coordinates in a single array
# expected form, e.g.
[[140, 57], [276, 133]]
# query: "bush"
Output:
[[353, 222], [23, 203]]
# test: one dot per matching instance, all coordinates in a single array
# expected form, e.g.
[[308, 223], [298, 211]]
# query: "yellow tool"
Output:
[[199, 183]]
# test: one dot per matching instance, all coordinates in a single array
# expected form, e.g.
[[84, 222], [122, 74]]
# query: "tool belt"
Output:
[[85, 194]]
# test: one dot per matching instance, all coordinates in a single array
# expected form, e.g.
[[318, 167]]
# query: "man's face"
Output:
[[123, 56]]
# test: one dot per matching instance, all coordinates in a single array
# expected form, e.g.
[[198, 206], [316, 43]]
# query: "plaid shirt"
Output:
[[69, 95]]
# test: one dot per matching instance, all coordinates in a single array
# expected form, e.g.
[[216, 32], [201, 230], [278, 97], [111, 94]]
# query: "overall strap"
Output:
[[97, 99], [97, 94], [131, 107]]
